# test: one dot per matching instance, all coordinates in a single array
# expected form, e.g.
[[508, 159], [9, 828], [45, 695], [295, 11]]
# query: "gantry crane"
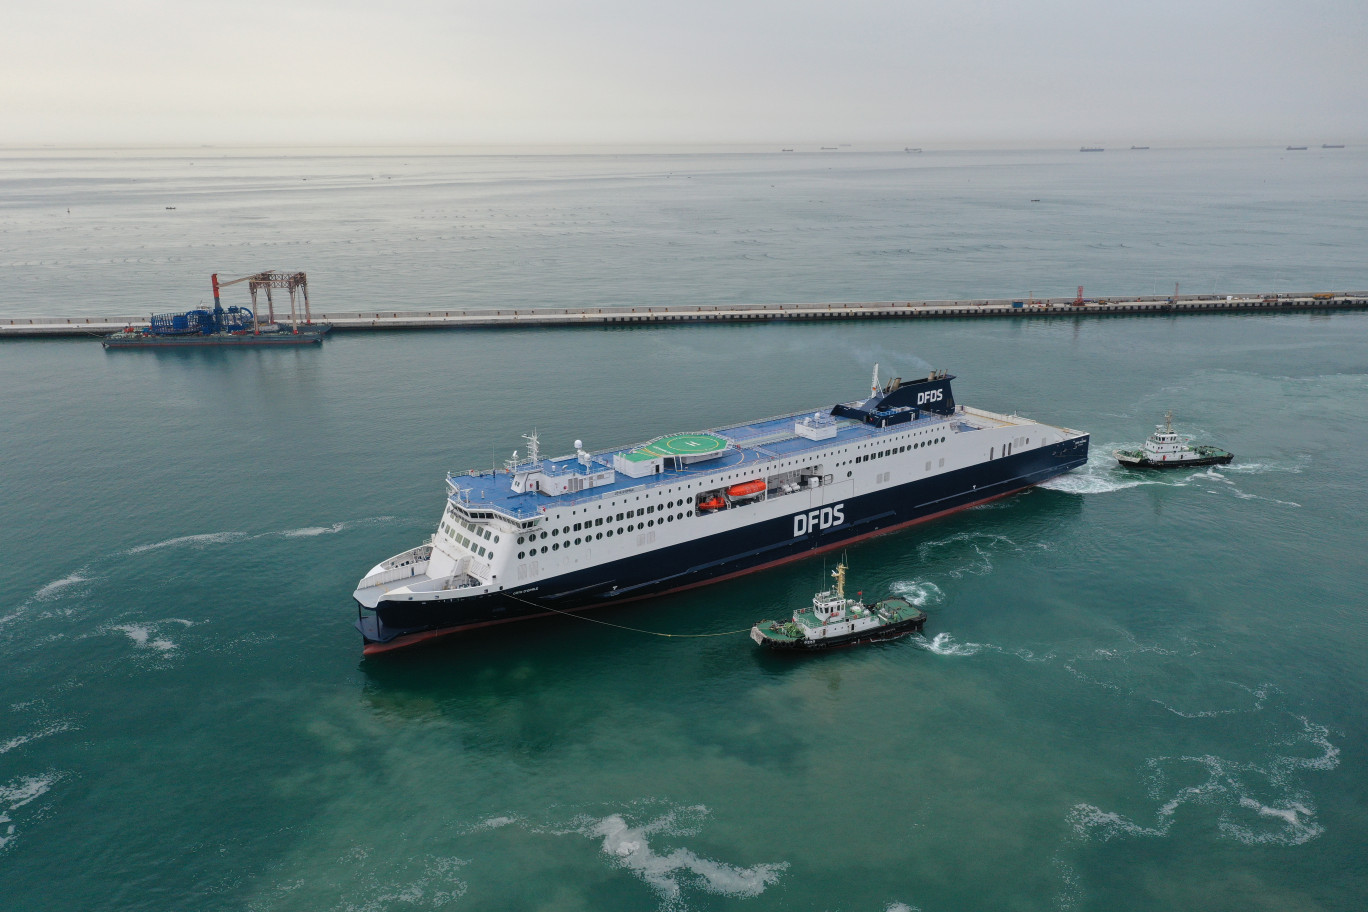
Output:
[[269, 280]]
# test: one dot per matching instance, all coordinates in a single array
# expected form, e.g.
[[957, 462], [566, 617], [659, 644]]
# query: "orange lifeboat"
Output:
[[712, 503], [746, 489]]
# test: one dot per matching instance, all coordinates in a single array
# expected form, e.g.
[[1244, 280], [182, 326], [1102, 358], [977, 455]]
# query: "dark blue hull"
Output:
[[714, 557]]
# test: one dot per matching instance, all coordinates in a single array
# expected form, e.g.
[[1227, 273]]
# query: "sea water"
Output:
[[1134, 690]]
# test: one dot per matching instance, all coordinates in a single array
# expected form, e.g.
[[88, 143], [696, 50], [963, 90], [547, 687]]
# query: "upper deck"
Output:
[[754, 443]]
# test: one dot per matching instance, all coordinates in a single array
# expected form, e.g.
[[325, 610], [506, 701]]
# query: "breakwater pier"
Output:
[[1031, 308]]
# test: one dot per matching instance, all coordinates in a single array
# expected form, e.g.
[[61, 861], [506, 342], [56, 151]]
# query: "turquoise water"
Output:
[[1133, 691]]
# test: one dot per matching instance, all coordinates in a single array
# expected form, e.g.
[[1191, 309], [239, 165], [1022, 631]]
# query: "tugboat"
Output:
[[1165, 449], [834, 620]]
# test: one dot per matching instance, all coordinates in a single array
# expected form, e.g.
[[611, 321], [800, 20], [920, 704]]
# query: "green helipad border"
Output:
[[679, 445]]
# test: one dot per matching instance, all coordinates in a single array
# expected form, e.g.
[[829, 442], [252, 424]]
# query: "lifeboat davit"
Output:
[[746, 489]]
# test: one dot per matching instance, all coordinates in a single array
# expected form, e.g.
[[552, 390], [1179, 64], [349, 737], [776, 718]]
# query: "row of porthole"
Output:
[[896, 450], [566, 530], [555, 546]]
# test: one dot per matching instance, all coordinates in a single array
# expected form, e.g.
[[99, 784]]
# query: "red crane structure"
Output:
[[293, 281]]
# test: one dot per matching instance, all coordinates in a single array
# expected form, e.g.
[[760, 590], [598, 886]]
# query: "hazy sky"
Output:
[[966, 73]]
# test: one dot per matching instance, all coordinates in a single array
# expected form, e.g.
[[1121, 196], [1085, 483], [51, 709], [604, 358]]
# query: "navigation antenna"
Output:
[[533, 447], [1168, 422], [463, 494], [839, 573], [511, 463]]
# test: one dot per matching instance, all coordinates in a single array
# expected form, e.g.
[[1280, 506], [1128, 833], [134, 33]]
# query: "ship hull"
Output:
[[877, 635], [215, 340], [766, 543]]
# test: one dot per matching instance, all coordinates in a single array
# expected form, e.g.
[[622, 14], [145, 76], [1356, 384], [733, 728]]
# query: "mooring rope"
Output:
[[677, 636]]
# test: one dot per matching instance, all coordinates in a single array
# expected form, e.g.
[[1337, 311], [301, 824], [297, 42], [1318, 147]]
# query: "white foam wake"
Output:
[[223, 538], [141, 635], [917, 592], [1260, 468], [944, 644], [207, 538], [493, 823], [20, 740], [630, 848], [975, 548], [1102, 474], [1086, 482], [311, 531], [1213, 475], [1256, 805], [332, 529], [56, 586], [16, 794], [1259, 694], [629, 845]]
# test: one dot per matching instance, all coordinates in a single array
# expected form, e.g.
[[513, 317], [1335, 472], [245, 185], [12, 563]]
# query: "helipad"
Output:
[[679, 445]]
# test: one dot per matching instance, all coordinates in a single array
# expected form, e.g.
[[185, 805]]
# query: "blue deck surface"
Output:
[[757, 443]]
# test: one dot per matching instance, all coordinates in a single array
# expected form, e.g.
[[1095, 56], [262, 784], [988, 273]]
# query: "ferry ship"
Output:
[[600, 528]]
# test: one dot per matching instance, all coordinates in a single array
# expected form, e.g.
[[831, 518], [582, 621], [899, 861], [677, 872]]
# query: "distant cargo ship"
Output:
[[1092, 149], [549, 535]]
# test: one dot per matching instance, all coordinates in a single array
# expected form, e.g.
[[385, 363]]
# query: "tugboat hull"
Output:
[[1138, 461], [883, 634]]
